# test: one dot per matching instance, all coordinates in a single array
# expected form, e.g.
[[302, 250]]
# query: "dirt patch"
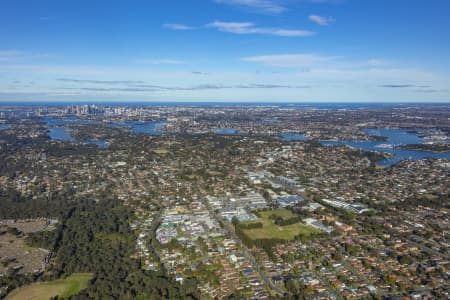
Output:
[[17, 257], [30, 226]]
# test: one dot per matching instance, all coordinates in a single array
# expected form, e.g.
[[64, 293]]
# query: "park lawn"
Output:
[[161, 151], [64, 288], [272, 231], [214, 173], [430, 197], [379, 167], [50, 228], [282, 213]]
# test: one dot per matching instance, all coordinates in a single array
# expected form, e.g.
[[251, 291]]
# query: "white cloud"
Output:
[[323, 21], [266, 6], [233, 27], [175, 26], [290, 60], [329, 78], [250, 28], [14, 55], [160, 61], [10, 55]]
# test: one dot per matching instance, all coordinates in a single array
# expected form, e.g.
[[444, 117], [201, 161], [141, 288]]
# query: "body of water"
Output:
[[55, 121], [3, 126], [61, 134], [395, 137], [151, 128], [287, 137], [225, 131]]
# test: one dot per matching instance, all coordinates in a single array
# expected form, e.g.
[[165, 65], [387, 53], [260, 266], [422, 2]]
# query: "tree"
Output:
[[235, 221]]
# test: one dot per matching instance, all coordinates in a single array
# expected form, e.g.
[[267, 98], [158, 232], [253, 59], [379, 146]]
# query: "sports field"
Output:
[[64, 288], [272, 231]]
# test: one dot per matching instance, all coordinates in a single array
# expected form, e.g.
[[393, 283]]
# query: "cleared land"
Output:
[[16, 254], [272, 231], [64, 288], [31, 226]]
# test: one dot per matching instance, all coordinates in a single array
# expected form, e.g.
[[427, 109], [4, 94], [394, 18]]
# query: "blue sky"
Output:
[[225, 50]]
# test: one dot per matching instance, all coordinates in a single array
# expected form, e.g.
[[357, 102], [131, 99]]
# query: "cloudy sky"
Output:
[[225, 50]]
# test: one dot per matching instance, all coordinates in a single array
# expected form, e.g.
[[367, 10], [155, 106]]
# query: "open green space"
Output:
[[64, 288], [277, 213], [430, 197], [161, 151], [272, 231]]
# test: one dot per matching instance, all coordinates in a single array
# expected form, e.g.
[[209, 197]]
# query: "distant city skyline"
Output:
[[225, 51]]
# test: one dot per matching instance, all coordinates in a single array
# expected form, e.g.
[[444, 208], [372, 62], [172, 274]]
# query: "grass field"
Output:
[[161, 151], [214, 173], [65, 288], [282, 213], [430, 197], [271, 230]]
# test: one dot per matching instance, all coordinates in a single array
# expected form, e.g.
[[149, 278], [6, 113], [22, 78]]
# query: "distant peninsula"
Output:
[[435, 147]]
